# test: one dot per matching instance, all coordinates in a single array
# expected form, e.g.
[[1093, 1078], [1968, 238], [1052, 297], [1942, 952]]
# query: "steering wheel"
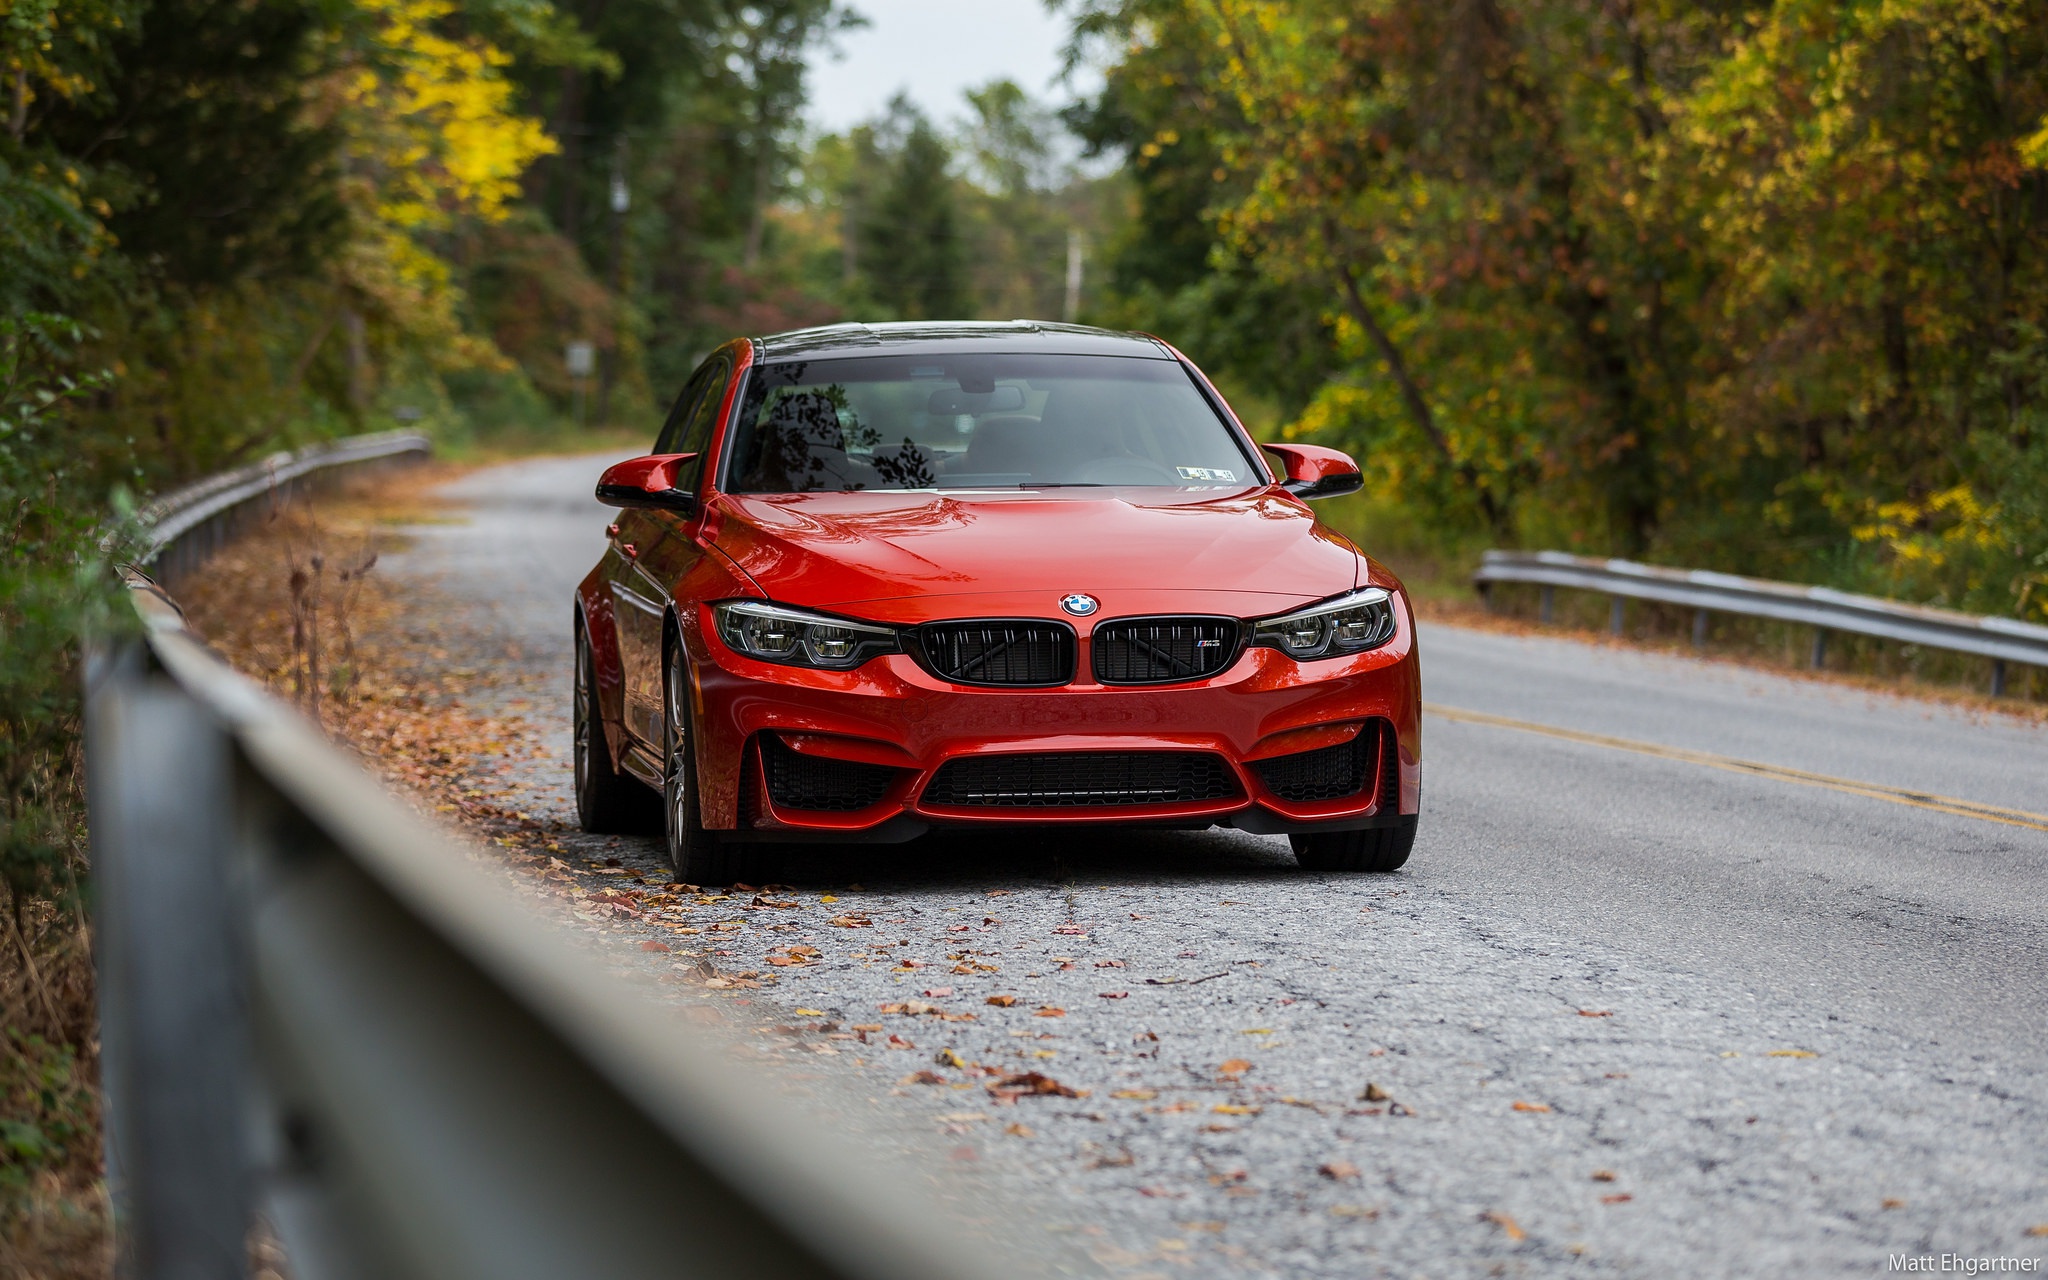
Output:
[[1125, 469]]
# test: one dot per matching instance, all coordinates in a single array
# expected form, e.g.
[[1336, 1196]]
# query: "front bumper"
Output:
[[892, 714]]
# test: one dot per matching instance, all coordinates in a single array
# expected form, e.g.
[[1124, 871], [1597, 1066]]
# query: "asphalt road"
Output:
[[1630, 1014]]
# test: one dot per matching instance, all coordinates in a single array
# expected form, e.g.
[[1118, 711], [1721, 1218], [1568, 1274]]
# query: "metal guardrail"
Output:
[[316, 1008], [185, 526], [2002, 640]]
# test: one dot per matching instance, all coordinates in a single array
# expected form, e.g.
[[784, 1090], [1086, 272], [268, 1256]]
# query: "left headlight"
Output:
[[1349, 624], [799, 638]]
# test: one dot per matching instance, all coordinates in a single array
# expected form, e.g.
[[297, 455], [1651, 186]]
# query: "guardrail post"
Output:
[[1616, 614], [172, 1010], [1998, 677], [1820, 648], [1547, 606], [1699, 628]]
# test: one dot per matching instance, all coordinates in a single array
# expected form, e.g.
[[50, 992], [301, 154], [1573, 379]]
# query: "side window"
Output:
[[699, 418]]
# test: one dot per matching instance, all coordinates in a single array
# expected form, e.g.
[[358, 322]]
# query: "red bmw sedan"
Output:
[[879, 579]]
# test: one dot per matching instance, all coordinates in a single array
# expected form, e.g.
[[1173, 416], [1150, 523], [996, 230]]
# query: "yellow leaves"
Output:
[[1532, 1106], [438, 112], [1792, 1053]]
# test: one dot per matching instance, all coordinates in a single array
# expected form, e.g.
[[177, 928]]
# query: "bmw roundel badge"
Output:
[[1079, 605]]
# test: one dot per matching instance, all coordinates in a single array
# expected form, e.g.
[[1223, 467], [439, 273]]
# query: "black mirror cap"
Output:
[[1330, 486], [632, 497]]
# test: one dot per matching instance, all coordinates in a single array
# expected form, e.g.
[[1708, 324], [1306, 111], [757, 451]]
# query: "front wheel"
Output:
[[607, 801], [1377, 849], [698, 855]]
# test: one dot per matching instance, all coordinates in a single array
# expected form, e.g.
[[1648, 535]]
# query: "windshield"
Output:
[[978, 422]]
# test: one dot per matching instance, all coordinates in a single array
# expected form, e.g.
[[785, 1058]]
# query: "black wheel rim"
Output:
[[581, 718], [675, 782]]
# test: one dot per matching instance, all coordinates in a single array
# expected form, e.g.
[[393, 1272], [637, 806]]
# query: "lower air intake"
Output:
[[1080, 779], [821, 785], [1331, 773]]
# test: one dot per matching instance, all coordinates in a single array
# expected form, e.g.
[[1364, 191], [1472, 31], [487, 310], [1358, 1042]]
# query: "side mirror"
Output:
[[647, 483], [1316, 472]]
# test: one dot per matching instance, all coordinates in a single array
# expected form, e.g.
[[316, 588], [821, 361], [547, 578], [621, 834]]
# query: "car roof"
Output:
[[922, 337]]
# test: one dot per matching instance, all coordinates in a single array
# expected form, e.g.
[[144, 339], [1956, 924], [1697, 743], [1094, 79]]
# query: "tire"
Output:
[[1378, 849], [608, 802], [699, 856]]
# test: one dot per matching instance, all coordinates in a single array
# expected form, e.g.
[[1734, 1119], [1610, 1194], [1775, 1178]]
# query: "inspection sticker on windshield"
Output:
[[1207, 473]]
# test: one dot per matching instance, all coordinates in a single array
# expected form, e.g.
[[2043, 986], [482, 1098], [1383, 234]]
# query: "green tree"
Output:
[[914, 251]]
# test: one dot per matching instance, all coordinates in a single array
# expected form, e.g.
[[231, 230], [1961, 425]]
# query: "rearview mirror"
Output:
[[647, 483], [1316, 472], [947, 403]]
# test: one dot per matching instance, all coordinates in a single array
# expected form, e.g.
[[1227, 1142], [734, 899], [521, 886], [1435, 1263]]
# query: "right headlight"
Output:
[[1349, 624], [798, 637]]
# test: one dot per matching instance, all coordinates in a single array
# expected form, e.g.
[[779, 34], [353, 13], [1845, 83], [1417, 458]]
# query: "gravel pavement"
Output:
[[1621, 1014]]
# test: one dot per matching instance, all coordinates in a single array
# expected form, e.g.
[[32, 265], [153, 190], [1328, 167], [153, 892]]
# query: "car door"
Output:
[[656, 550]]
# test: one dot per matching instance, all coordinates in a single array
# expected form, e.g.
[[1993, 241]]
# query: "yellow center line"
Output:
[[1848, 786]]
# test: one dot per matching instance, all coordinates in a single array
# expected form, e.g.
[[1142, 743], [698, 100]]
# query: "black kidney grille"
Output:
[[1162, 650], [1000, 653], [813, 782], [1058, 779], [1329, 773]]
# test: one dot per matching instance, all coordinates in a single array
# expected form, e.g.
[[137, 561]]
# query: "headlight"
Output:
[[1350, 624], [775, 634]]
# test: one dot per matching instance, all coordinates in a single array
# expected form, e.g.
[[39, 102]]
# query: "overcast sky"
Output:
[[935, 49]]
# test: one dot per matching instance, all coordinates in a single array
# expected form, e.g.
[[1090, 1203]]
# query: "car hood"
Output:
[[1119, 544]]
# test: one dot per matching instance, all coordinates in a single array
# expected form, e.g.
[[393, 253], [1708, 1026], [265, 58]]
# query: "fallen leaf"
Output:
[[1620, 1197], [950, 1057], [1233, 1069], [810, 1013], [937, 993], [1893, 1202], [1508, 1226], [1233, 1109], [1596, 1013], [1002, 1002], [852, 921], [1050, 1011], [1532, 1106], [923, 1077], [1136, 1095], [2038, 1229], [651, 945], [1259, 1031], [1114, 995], [867, 1026], [1109, 964], [1019, 1130], [1792, 1053], [1373, 1093], [1603, 1175], [1072, 930], [1353, 1211], [1032, 1083], [898, 1042], [1160, 1193], [1338, 1170]]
